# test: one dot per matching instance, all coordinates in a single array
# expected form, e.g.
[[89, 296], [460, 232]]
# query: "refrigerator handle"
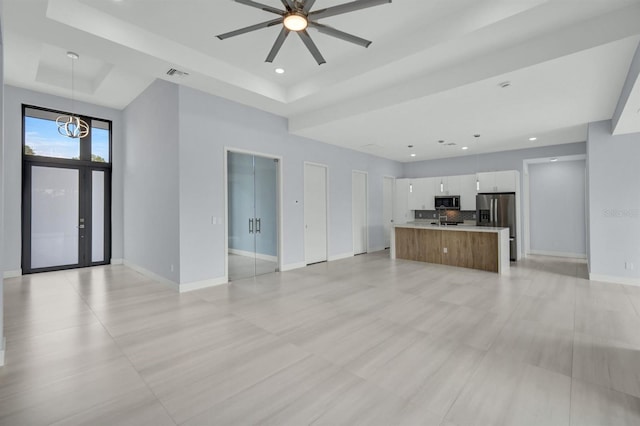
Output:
[[495, 212], [491, 213]]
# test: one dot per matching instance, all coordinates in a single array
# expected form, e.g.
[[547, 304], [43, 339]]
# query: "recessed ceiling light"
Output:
[[553, 160], [464, 148], [413, 155], [279, 70], [533, 139]]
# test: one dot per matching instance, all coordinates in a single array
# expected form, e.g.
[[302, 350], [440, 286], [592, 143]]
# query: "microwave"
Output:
[[447, 202]]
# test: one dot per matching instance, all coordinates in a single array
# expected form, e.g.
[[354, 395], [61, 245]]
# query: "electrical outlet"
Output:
[[444, 250], [628, 265], [171, 268]]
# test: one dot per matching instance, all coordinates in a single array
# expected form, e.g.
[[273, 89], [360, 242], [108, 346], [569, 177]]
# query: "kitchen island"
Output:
[[476, 247]]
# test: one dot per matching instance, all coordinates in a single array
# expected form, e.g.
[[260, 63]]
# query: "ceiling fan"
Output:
[[297, 17]]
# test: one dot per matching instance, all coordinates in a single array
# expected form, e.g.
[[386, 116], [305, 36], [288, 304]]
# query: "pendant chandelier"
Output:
[[69, 125]]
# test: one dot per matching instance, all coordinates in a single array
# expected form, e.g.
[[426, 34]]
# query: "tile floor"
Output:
[[364, 340]]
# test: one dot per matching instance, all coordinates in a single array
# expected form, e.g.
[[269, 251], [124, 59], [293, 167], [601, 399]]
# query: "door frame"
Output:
[[526, 196], [83, 166], [85, 172], [327, 216], [393, 202], [279, 203], [366, 211]]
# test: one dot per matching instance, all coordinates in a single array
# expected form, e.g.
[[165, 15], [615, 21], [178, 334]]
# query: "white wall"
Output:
[[208, 124], [557, 208], [151, 199], [13, 99], [614, 204]]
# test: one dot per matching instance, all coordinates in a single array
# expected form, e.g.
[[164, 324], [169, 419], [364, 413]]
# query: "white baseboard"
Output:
[[375, 249], [2, 348], [340, 256], [292, 266], [117, 261], [251, 254], [558, 254], [12, 274], [175, 286], [615, 280], [199, 285]]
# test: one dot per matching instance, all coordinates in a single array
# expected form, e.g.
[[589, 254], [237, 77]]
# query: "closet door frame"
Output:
[[279, 203]]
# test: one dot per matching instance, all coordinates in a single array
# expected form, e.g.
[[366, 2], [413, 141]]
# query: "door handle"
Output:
[[251, 226], [258, 225]]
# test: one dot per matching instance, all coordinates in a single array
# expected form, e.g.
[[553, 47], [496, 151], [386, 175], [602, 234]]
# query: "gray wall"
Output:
[[1, 193], [208, 124], [495, 161], [557, 208], [13, 99], [249, 198], [614, 202], [151, 199]]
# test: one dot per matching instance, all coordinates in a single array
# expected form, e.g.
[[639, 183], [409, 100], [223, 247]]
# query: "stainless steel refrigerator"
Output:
[[499, 210]]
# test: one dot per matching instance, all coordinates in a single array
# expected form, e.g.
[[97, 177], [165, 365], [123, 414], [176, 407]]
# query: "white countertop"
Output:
[[427, 225]]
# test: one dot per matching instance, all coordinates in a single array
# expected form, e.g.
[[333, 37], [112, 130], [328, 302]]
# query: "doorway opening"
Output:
[[66, 193], [253, 215]]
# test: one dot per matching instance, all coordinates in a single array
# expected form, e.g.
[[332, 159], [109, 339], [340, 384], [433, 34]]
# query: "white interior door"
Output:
[[315, 213], [359, 211], [388, 185]]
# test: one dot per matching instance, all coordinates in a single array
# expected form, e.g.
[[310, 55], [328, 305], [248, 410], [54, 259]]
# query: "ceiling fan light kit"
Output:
[[297, 17], [295, 21]]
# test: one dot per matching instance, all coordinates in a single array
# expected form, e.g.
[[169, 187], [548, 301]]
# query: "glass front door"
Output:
[[66, 215], [252, 215]]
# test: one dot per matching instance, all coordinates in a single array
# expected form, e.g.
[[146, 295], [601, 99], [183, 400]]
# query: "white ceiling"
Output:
[[431, 73]]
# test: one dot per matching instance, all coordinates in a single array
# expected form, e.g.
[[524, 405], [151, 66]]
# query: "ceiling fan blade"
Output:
[[288, 4], [346, 8], [264, 7], [251, 28], [306, 39], [308, 4], [330, 31], [278, 44]]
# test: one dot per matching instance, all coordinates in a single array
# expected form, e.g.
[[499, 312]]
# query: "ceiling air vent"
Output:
[[176, 72]]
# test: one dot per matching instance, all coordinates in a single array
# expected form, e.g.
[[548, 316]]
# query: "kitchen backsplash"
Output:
[[452, 215]]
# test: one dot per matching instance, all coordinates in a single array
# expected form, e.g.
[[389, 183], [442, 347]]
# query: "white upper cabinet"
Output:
[[401, 213], [468, 192], [503, 181], [447, 185], [421, 194], [506, 181]]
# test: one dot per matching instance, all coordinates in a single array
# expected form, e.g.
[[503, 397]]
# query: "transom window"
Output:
[[42, 139]]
